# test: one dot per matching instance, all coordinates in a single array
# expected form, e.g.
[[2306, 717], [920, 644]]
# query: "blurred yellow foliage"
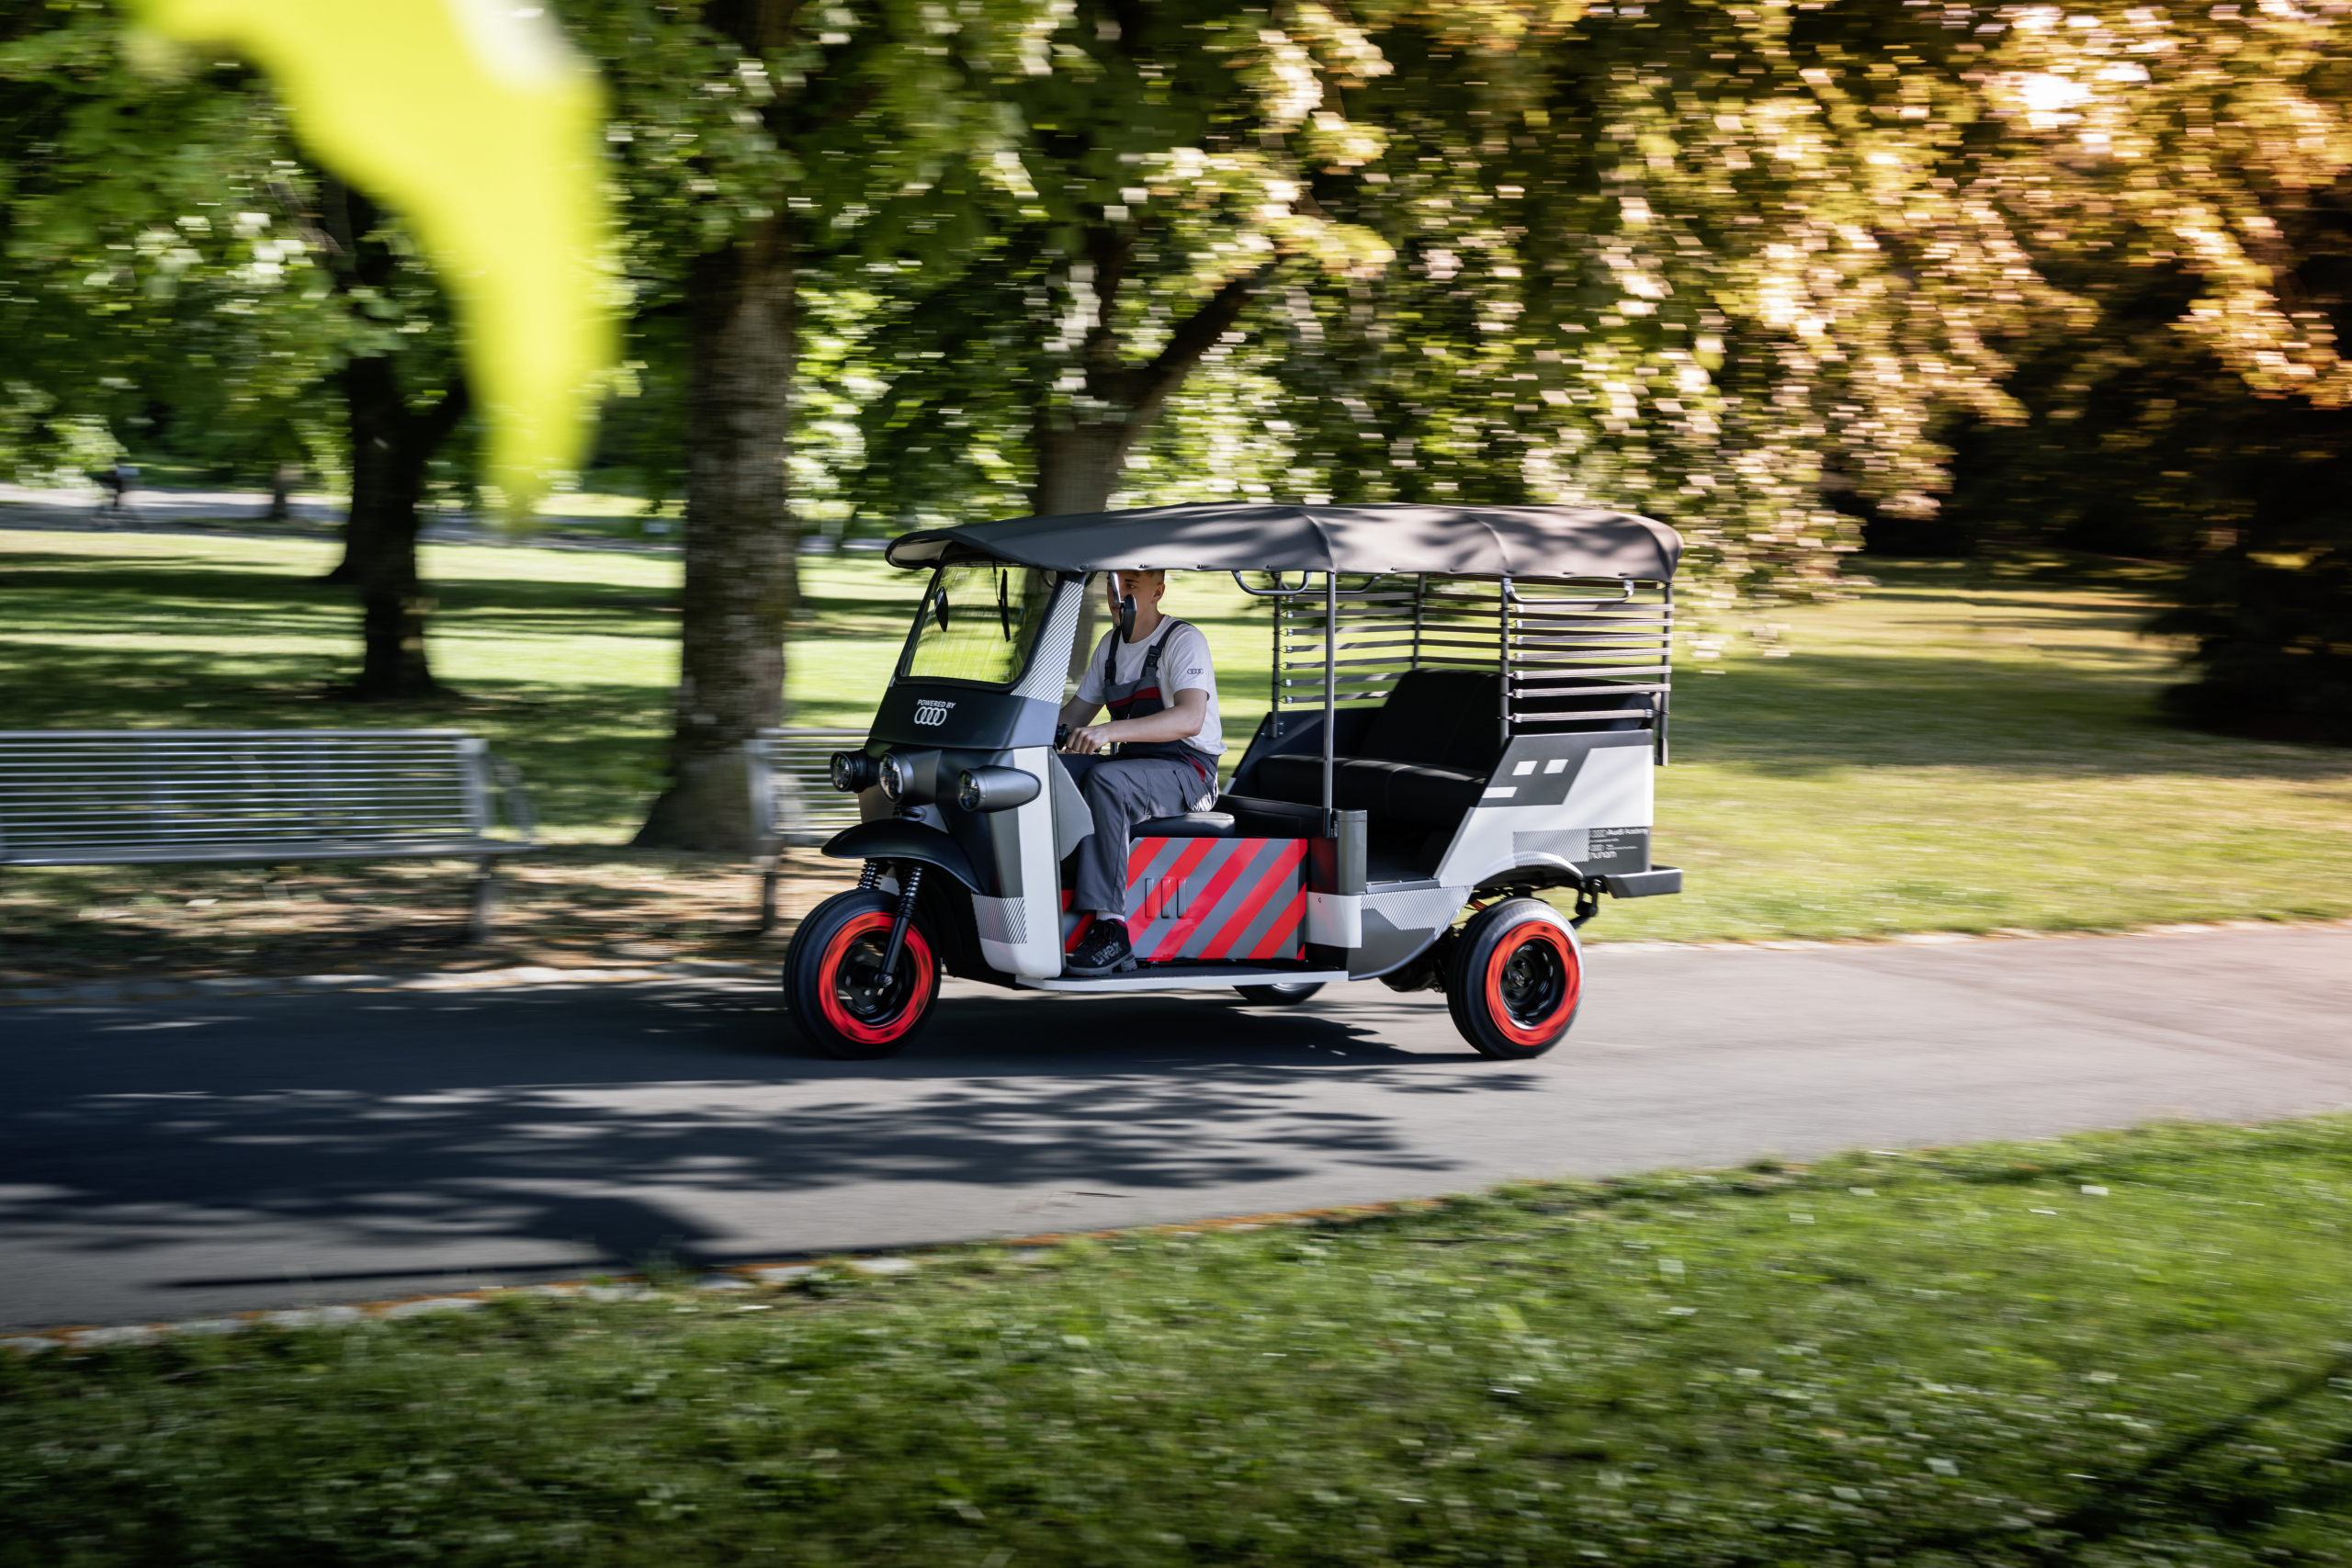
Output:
[[475, 120]]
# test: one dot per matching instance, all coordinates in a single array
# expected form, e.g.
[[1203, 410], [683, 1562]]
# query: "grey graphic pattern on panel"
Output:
[[1000, 919], [1535, 816], [1049, 662], [1538, 779], [1589, 848]]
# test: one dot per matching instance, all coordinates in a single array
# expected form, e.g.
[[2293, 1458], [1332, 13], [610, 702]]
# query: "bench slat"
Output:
[[157, 796]]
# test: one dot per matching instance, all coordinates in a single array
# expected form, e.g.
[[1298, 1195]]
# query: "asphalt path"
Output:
[[166, 1160]]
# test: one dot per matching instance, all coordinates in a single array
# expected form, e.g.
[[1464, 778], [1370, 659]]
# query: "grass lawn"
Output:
[[1963, 748], [2115, 1350]]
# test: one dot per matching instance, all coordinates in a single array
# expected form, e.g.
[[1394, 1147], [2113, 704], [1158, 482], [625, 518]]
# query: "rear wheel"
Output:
[[1516, 979], [833, 984], [1280, 995]]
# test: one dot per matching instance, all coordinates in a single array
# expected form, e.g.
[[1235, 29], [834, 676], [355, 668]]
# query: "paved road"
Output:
[[167, 1160]]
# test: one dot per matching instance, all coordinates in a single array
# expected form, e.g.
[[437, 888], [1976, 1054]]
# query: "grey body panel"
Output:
[[1579, 803]]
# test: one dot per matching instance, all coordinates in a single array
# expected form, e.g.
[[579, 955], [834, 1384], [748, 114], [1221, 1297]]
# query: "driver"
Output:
[[1154, 676]]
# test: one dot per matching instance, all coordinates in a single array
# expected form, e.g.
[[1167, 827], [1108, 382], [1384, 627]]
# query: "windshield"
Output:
[[979, 622]]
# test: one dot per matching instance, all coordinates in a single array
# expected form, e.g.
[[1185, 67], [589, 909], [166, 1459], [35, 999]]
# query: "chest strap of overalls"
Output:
[[1146, 685]]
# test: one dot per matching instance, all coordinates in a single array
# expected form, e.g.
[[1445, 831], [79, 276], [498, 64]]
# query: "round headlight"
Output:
[[894, 777], [995, 789], [851, 772]]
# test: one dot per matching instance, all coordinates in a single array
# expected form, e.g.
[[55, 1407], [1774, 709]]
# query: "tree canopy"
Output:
[[1792, 277]]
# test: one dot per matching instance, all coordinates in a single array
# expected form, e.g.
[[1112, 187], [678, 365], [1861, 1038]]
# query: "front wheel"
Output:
[[833, 984], [1279, 995], [1516, 979]]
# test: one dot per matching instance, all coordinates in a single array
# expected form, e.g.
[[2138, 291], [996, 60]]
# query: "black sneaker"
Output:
[[1105, 951]]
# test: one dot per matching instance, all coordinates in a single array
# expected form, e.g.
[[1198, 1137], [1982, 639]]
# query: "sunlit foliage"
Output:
[[478, 125], [149, 260], [1777, 274]]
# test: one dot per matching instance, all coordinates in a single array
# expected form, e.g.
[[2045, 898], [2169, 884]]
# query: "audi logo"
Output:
[[931, 713]]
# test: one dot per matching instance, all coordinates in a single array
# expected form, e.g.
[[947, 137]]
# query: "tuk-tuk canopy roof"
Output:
[[1378, 536]]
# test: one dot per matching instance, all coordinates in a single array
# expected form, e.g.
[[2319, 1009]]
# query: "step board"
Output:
[[1222, 977]]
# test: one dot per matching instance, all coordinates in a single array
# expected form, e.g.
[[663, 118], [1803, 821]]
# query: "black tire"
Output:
[[1281, 994], [830, 975], [1516, 979]]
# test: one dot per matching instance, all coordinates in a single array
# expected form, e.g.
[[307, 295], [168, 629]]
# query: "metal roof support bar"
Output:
[[1502, 661], [1330, 689]]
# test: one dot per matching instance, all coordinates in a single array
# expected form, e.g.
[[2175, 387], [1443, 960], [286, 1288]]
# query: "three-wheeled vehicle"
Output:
[[1467, 705]]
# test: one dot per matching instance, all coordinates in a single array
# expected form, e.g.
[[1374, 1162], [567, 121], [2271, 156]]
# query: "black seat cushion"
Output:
[[1437, 798], [1256, 818], [1440, 718], [1406, 792], [1191, 825], [1424, 758]]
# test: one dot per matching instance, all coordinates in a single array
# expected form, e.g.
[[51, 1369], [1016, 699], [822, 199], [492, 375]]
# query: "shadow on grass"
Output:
[[565, 903], [2169, 1488], [89, 597]]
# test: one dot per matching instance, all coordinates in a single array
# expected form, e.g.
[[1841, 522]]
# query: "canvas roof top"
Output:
[[1378, 537]]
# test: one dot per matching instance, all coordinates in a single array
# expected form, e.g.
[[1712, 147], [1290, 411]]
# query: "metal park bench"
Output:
[[189, 796], [794, 801]]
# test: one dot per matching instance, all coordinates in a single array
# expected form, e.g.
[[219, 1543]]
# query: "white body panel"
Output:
[[1335, 920], [1022, 934]]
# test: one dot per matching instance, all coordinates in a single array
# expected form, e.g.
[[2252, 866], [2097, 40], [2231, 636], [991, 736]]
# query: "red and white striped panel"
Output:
[[1212, 898]]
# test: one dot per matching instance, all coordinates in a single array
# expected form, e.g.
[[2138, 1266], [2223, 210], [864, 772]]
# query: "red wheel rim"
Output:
[[1533, 983], [914, 964]]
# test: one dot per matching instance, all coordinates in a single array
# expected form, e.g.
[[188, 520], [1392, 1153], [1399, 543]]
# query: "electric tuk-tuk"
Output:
[[1467, 705]]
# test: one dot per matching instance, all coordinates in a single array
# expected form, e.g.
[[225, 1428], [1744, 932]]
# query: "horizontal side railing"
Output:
[[1574, 655], [1577, 665]]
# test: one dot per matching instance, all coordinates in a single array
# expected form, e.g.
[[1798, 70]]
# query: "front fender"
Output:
[[895, 838]]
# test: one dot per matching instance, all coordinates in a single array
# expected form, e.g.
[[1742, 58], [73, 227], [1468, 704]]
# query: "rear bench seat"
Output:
[[1424, 760]]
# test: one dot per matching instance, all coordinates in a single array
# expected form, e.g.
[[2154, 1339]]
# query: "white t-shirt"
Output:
[[1185, 667]]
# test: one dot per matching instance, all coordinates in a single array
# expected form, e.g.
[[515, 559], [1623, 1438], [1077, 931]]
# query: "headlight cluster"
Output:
[[977, 789]]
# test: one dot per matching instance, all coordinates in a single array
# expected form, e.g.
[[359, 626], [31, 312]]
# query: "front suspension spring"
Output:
[[910, 880]]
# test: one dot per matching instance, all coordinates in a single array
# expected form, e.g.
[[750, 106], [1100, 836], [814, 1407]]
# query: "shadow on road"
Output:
[[602, 1118]]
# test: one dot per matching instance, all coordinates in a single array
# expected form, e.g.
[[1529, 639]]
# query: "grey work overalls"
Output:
[[1144, 779]]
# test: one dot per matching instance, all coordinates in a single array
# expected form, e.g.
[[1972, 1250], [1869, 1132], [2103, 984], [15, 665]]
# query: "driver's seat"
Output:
[[1190, 825], [1238, 816]]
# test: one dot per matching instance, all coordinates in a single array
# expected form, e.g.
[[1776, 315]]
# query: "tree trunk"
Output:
[[372, 431], [281, 492], [740, 539], [1079, 463], [1078, 468], [391, 446]]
